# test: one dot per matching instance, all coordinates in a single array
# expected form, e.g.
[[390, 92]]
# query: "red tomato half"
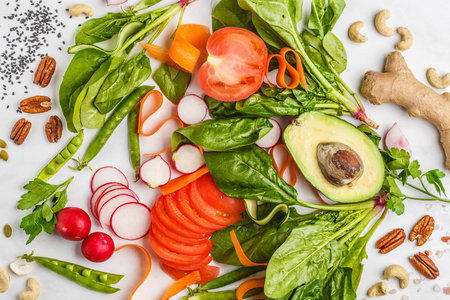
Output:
[[207, 211], [235, 66], [216, 198]]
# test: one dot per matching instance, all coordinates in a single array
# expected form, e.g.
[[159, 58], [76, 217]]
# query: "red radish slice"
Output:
[[192, 109], [107, 174], [155, 172], [115, 2], [105, 212], [396, 139], [131, 221], [97, 193], [272, 138], [188, 159], [109, 194]]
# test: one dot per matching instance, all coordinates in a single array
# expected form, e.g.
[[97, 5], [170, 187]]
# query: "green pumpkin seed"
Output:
[[7, 230], [2, 144], [4, 155]]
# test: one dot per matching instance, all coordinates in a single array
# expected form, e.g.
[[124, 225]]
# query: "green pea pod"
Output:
[[62, 157], [124, 107], [230, 278], [133, 139], [223, 295], [92, 279]]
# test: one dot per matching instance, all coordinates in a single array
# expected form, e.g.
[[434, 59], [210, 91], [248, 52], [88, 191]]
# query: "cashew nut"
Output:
[[353, 32], [19, 269], [4, 280], [33, 293], [380, 23], [436, 81], [378, 289], [399, 272], [407, 39], [77, 9]]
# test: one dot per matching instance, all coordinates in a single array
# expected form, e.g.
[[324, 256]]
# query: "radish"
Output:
[[188, 159], [98, 192], [131, 221], [98, 247], [115, 2], [107, 209], [192, 109], [272, 138], [396, 139], [155, 172], [73, 223], [109, 194], [106, 175]]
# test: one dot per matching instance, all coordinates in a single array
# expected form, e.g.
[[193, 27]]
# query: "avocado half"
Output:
[[309, 131]]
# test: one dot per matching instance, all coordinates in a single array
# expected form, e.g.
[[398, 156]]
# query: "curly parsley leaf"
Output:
[[434, 178], [395, 204]]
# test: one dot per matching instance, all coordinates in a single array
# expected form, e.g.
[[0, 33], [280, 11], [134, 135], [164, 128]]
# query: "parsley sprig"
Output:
[[399, 167], [47, 200]]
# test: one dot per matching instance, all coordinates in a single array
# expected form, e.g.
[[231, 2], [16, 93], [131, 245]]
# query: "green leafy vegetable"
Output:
[[172, 82], [227, 13], [47, 200]]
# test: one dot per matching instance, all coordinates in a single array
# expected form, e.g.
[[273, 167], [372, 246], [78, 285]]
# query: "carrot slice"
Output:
[[298, 66], [180, 182], [245, 261], [181, 284], [249, 285], [160, 53], [149, 265], [288, 163], [183, 53], [195, 34]]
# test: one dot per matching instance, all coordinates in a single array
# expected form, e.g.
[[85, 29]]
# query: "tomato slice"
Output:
[[185, 207], [208, 273], [159, 212], [235, 66], [173, 272], [174, 236], [188, 267], [207, 211], [172, 245], [171, 256], [171, 207], [216, 198]]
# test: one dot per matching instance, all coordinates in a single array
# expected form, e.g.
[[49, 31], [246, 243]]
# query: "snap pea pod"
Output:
[[222, 295], [230, 278], [92, 279], [122, 110], [62, 157], [133, 139]]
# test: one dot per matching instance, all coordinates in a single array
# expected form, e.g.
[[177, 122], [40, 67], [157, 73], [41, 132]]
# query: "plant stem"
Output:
[[347, 88], [338, 207]]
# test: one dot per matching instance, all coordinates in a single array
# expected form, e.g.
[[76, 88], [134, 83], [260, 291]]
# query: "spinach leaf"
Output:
[[337, 56], [224, 134], [220, 109], [145, 4], [82, 66], [248, 173], [323, 17], [122, 81], [101, 29], [227, 13], [172, 82]]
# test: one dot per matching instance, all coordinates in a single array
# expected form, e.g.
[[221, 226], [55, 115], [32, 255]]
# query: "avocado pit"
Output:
[[339, 163]]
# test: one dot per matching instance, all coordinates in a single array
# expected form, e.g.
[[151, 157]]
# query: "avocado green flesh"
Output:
[[302, 138]]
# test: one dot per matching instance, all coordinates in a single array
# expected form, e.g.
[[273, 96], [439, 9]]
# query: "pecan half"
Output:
[[422, 230], [424, 265], [53, 129], [45, 71], [391, 240], [36, 104], [20, 131]]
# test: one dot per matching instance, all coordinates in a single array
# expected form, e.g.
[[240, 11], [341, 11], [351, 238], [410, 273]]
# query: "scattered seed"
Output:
[[417, 281], [2, 144], [445, 239], [437, 288], [405, 297], [4, 155], [7, 230], [447, 290], [428, 252]]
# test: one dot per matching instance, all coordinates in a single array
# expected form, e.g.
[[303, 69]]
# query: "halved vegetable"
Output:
[[192, 109], [155, 172], [272, 138], [188, 159], [106, 175], [105, 212], [131, 221], [396, 139]]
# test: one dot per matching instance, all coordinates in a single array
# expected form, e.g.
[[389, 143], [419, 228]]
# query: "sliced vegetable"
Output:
[[98, 192], [179, 182], [131, 221], [296, 74], [189, 266], [199, 249], [241, 254], [181, 284], [272, 138], [161, 54], [249, 285], [208, 273], [192, 109], [188, 159], [115, 2], [106, 175], [106, 210], [235, 66], [155, 172], [396, 139], [110, 193]]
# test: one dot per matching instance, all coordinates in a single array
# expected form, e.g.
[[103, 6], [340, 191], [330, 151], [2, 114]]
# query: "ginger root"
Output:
[[398, 85]]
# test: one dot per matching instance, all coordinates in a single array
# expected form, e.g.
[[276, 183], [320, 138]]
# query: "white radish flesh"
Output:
[[105, 211], [115, 2], [188, 159], [271, 138], [131, 221], [155, 172], [192, 109], [98, 192], [396, 139], [106, 175], [108, 195]]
